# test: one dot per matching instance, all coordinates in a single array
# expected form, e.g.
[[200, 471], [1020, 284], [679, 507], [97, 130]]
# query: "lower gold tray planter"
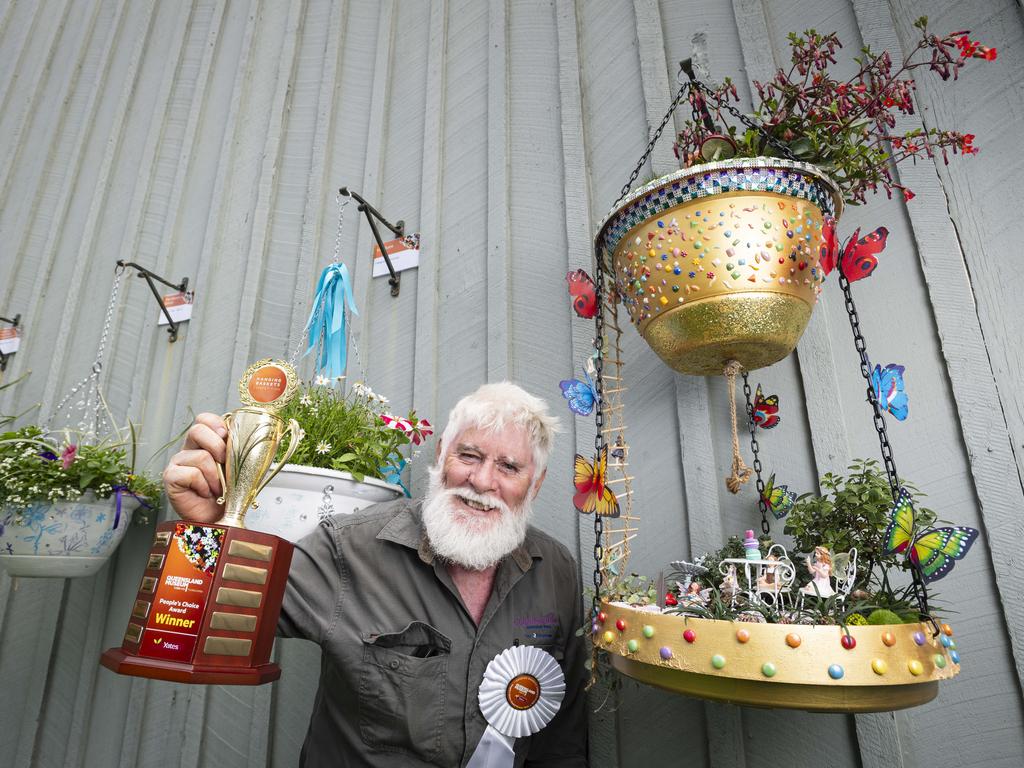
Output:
[[789, 666]]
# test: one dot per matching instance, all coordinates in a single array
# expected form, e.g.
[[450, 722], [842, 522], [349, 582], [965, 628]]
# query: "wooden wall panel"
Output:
[[208, 139]]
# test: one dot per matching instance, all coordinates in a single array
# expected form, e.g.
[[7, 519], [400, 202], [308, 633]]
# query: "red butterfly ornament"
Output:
[[860, 256], [766, 410], [583, 292]]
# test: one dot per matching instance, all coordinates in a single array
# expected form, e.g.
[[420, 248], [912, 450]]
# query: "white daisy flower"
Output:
[[305, 400], [323, 447], [322, 381]]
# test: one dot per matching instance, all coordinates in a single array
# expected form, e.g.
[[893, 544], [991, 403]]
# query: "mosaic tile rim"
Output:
[[744, 164]]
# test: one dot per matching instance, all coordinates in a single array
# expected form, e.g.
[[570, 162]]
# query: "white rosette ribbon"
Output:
[[521, 692]]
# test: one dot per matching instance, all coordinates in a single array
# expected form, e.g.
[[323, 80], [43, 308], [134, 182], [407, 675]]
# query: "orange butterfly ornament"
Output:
[[592, 493]]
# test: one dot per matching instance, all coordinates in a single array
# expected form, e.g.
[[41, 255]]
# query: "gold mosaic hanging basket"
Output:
[[788, 666], [719, 262]]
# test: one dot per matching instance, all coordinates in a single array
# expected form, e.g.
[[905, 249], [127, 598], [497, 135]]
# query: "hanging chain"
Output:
[[650, 145], [865, 371], [599, 289], [92, 397], [754, 447], [920, 588]]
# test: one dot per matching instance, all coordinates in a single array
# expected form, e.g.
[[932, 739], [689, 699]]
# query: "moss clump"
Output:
[[855, 619], [883, 616]]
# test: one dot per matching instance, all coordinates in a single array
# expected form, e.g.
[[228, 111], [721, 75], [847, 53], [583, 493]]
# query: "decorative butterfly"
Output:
[[583, 292], [934, 551], [778, 498], [582, 395], [766, 410], [592, 493], [859, 256], [888, 385]]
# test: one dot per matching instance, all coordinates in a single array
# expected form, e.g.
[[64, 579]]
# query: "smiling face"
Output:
[[478, 505]]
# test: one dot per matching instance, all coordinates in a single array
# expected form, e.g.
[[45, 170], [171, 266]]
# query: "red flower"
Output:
[[988, 54], [670, 599], [908, 195]]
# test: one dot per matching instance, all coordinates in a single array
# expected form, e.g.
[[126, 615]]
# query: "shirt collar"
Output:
[[406, 529]]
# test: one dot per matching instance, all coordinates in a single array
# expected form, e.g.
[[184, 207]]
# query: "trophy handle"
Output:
[[220, 467], [296, 434]]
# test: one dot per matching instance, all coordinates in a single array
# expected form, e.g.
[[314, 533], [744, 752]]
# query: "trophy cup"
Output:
[[207, 607]]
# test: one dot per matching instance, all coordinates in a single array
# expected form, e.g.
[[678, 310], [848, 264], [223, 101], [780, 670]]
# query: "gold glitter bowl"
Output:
[[719, 262], [787, 666]]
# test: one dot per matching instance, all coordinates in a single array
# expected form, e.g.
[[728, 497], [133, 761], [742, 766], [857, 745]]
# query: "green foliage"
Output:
[[39, 466], [845, 127], [853, 511], [346, 432], [884, 616], [631, 588]]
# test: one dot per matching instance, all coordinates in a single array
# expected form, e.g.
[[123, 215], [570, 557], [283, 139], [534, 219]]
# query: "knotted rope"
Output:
[[740, 471]]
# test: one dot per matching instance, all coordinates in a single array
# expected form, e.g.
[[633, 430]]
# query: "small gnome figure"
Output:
[[820, 567]]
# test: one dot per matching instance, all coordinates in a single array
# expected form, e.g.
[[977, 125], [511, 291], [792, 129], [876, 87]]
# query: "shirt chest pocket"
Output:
[[402, 690]]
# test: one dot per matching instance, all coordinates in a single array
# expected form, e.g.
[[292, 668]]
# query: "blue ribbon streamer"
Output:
[[120, 489], [393, 472], [327, 320]]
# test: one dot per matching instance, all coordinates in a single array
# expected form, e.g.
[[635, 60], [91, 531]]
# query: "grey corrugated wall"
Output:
[[207, 139]]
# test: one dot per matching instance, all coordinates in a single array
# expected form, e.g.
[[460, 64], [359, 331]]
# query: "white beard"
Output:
[[473, 542]]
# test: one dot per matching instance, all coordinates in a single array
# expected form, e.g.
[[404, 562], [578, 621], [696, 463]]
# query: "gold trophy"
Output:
[[207, 607]]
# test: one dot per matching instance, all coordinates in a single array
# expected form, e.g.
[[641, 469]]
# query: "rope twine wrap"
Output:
[[740, 471]]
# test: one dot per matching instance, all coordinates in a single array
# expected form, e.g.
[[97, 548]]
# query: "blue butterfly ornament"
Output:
[[582, 395], [888, 385]]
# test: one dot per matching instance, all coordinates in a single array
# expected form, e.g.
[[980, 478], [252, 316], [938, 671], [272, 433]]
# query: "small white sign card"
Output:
[[179, 307], [403, 252], [10, 340]]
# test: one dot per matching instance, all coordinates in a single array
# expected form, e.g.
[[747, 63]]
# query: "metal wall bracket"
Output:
[[149, 277], [398, 228], [14, 324]]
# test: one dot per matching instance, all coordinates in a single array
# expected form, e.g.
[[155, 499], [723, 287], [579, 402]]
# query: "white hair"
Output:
[[495, 406]]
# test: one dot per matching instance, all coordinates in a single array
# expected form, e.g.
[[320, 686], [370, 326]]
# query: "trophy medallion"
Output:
[[207, 607]]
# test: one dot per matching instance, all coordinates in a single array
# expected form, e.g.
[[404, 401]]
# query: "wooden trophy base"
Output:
[[207, 607], [125, 664]]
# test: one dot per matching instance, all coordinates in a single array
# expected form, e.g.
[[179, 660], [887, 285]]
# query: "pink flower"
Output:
[[68, 455], [421, 431]]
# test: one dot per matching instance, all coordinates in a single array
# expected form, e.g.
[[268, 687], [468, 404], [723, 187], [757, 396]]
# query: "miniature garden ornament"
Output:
[[820, 566]]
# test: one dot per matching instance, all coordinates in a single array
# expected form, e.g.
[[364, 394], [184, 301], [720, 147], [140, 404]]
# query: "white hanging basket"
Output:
[[297, 499], [62, 539]]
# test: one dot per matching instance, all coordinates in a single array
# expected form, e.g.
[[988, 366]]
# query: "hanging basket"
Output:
[[787, 666], [293, 502], [62, 539], [719, 262]]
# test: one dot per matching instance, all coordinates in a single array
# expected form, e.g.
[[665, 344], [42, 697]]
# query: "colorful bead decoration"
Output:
[[648, 631], [947, 630], [919, 638], [849, 642], [620, 625], [608, 637], [718, 661], [889, 639], [602, 616], [768, 669], [742, 635], [916, 667], [793, 640], [835, 672], [945, 641], [954, 657], [689, 636], [940, 661], [666, 652], [879, 667], [632, 646]]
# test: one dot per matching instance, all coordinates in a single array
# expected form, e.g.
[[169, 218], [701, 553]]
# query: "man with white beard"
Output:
[[411, 600]]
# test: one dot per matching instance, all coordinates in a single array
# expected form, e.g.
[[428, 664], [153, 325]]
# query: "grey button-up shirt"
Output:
[[403, 659]]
